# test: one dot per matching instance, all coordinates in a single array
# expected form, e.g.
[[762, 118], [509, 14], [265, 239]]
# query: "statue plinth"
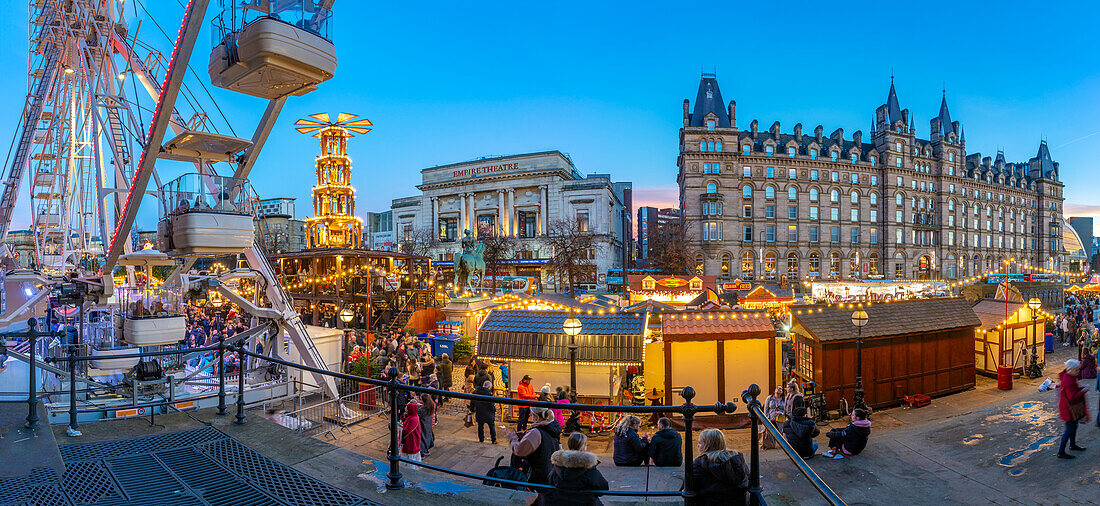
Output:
[[463, 309]]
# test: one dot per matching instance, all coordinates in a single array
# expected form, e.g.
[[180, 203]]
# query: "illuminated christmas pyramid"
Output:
[[334, 224]]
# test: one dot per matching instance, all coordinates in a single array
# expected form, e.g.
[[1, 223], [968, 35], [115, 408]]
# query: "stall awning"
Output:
[[716, 325], [885, 319]]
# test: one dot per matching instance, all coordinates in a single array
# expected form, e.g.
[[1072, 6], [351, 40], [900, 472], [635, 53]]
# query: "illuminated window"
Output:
[[747, 262]]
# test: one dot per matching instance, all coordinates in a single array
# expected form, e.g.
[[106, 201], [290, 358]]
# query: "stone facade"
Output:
[[763, 204], [520, 195]]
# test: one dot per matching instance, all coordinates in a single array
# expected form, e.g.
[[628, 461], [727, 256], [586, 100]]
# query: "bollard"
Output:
[[688, 409], [393, 481], [32, 391], [239, 419], [749, 397], [221, 374]]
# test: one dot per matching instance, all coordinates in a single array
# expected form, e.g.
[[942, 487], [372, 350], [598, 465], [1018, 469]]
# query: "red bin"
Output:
[[1004, 377]]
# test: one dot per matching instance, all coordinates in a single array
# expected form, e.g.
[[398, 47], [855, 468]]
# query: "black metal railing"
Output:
[[756, 415], [392, 388]]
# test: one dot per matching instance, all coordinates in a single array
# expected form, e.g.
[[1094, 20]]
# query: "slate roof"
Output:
[[538, 335], [893, 109], [550, 322], [992, 312], [945, 117], [709, 100], [725, 323], [650, 305], [889, 319]]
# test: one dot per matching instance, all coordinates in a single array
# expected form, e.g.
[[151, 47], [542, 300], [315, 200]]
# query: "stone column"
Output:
[[461, 213], [472, 213], [511, 212], [434, 226], [500, 212], [544, 219]]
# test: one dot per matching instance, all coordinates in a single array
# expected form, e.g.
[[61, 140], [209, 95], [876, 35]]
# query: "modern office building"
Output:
[[276, 227], [1083, 226], [653, 224], [767, 203], [521, 196], [379, 230]]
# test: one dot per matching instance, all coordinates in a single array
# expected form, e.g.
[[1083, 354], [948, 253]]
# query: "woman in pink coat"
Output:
[[1070, 393], [410, 433]]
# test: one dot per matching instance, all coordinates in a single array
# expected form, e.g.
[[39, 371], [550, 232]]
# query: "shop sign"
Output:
[[485, 170], [736, 285], [391, 283], [672, 282]]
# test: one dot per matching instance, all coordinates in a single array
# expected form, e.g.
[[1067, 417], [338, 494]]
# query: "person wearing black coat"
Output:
[[850, 440], [721, 476], [800, 432], [483, 413], [630, 450], [666, 445], [574, 470]]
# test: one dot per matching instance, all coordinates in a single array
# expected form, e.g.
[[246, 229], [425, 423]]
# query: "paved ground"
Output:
[[983, 446]]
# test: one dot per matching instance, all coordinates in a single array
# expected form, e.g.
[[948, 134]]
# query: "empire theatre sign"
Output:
[[485, 170]]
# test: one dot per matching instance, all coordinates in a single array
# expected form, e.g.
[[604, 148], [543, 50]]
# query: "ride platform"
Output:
[[25, 452]]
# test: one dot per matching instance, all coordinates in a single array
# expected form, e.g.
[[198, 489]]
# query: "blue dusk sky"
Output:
[[445, 82]]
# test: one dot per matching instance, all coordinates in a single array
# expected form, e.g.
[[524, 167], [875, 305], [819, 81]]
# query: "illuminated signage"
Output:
[[485, 170], [672, 282]]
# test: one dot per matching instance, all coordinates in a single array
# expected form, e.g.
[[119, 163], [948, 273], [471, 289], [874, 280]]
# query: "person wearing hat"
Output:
[[525, 392], [537, 445], [1072, 407]]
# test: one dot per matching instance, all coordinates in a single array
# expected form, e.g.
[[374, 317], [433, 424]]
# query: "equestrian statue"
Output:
[[469, 262]]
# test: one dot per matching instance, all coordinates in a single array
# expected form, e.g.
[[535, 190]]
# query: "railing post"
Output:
[[221, 374], [688, 410], [394, 481], [749, 397], [239, 419], [72, 430], [32, 391]]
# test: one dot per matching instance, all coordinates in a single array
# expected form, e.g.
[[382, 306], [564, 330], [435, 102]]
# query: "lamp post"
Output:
[[346, 315], [859, 319], [572, 327], [1033, 370]]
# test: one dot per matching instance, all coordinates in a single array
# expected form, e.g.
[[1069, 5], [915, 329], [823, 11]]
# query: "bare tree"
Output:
[[498, 249], [573, 250], [669, 253], [418, 241]]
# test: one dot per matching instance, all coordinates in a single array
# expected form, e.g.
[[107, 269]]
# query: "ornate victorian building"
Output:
[[763, 204]]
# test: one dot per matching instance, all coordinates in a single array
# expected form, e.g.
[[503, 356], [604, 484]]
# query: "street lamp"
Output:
[[1033, 370], [859, 319], [572, 327], [346, 315]]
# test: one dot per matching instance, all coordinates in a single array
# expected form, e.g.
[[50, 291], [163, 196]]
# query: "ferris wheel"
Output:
[[104, 105]]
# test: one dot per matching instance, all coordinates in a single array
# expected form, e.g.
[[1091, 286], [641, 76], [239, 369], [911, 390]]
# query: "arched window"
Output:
[[792, 193], [712, 188], [815, 264], [977, 264], [834, 196], [702, 146], [874, 198], [834, 264], [727, 262], [792, 266], [813, 194], [718, 146], [699, 263], [769, 192], [769, 265], [855, 197], [747, 262], [872, 262], [950, 205], [898, 199], [746, 191], [853, 265]]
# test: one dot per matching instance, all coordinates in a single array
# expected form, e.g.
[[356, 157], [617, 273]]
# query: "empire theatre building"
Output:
[[521, 196], [767, 204]]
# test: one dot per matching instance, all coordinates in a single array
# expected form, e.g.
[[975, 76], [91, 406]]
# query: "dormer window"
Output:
[[745, 149], [790, 152], [769, 150], [813, 154], [696, 284], [834, 155], [871, 159], [854, 157], [648, 283], [710, 124]]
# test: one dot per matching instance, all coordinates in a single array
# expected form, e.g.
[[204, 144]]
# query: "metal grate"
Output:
[[145, 481], [285, 483], [209, 480], [89, 482], [138, 446], [39, 487]]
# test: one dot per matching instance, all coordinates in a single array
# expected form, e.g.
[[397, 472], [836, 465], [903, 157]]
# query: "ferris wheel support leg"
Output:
[[290, 320], [173, 80]]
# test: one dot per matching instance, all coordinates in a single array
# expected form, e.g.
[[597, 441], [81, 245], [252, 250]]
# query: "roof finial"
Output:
[[891, 74]]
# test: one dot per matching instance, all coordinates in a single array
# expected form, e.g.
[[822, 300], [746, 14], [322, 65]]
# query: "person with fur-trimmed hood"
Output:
[[574, 471]]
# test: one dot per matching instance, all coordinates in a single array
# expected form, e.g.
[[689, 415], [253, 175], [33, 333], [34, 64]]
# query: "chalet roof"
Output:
[[888, 319], [650, 305], [537, 335], [668, 282], [992, 312], [728, 324], [550, 322]]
